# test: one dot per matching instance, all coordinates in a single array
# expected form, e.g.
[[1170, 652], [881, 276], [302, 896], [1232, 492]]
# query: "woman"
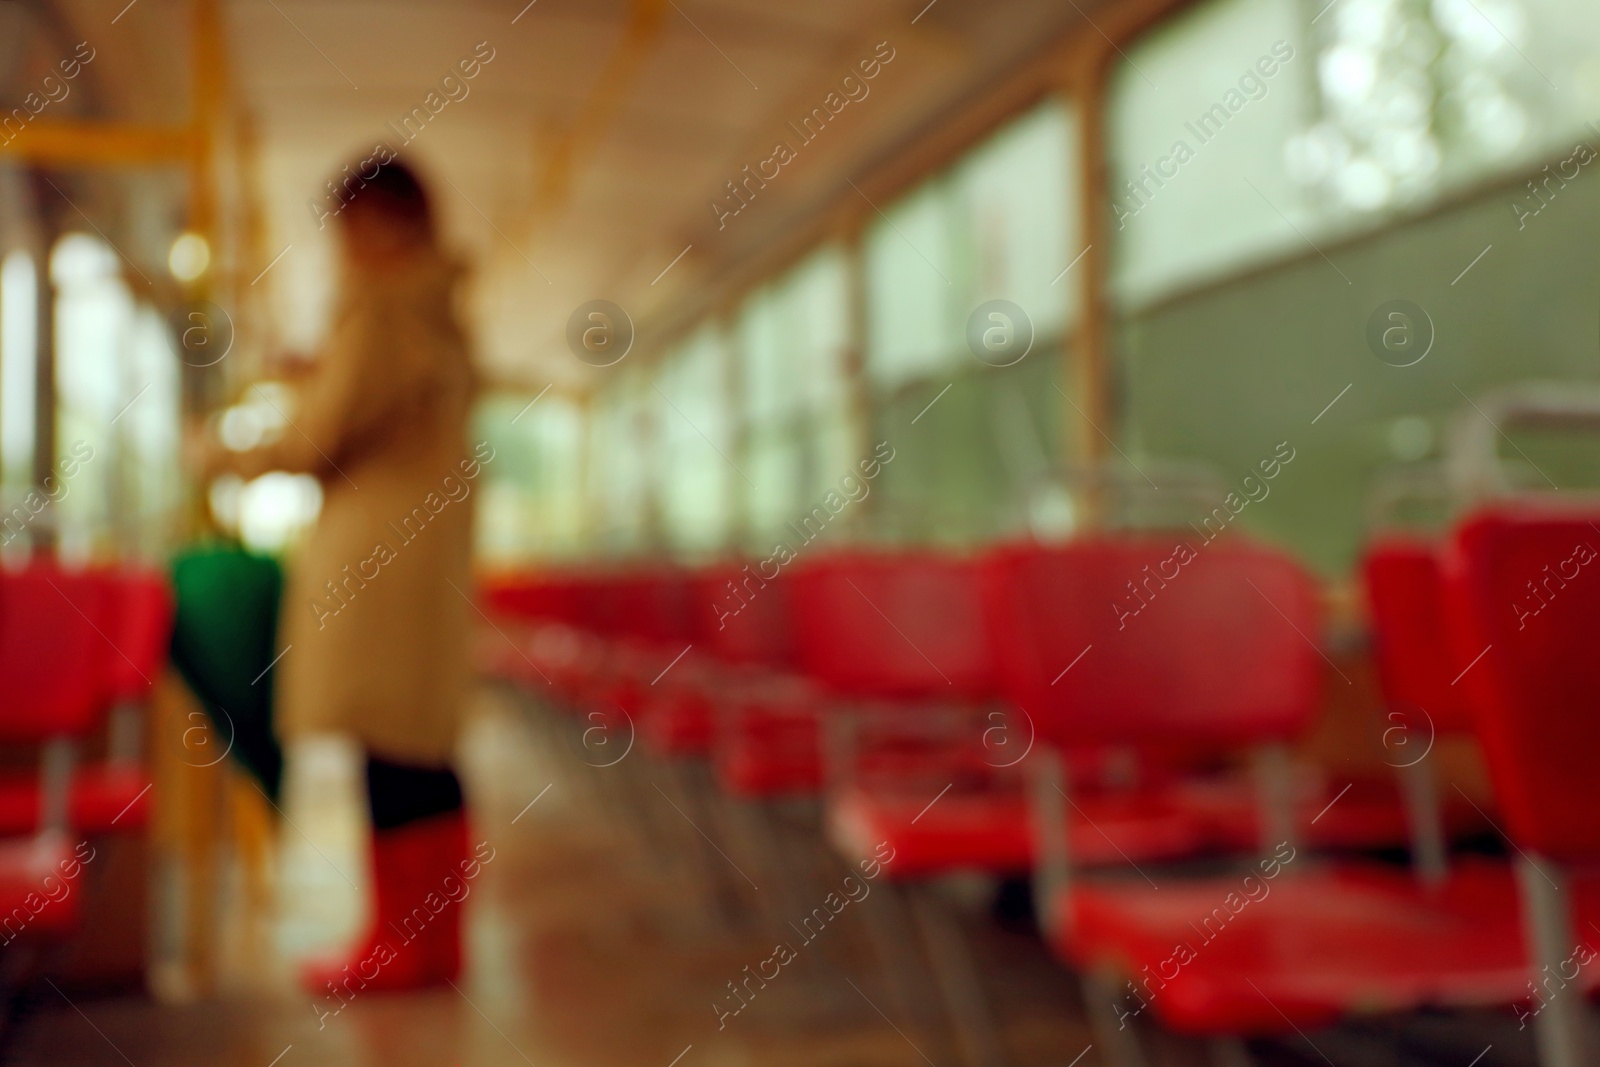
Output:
[[375, 612]]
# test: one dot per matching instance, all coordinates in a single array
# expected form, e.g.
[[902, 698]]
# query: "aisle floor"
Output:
[[593, 942], [580, 956]]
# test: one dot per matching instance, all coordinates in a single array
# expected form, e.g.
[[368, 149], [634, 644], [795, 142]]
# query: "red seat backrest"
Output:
[[1148, 641], [530, 596], [54, 643], [1525, 584], [897, 626], [604, 600], [1405, 594], [667, 607], [140, 607], [746, 617]]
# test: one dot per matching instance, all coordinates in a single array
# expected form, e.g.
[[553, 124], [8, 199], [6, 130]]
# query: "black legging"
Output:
[[401, 794]]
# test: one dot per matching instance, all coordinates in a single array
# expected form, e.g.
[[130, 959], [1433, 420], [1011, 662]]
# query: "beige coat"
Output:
[[375, 616]]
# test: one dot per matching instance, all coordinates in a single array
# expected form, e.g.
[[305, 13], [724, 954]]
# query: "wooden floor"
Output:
[[587, 949]]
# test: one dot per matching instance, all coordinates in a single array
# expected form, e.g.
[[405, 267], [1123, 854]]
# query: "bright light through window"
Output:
[[19, 331]]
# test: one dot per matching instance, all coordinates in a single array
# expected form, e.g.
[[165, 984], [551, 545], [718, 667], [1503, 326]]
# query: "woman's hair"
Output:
[[392, 192]]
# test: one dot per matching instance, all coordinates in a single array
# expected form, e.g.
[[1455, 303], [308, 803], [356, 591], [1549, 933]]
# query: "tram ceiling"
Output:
[[577, 147]]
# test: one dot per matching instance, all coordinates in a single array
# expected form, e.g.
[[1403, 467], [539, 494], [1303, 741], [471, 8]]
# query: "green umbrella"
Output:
[[224, 641]]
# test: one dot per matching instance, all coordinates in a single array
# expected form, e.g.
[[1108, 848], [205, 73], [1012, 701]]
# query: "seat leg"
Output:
[[957, 977], [752, 836], [1429, 851], [794, 890], [1117, 1038], [697, 857], [125, 734], [1561, 1024], [733, 886], [1229, 1052], [894, 943]]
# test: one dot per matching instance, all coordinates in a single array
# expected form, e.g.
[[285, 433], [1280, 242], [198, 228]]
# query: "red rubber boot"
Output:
[[414, 939]]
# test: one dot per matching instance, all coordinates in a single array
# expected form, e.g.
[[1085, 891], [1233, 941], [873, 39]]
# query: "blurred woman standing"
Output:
[[375, 614]]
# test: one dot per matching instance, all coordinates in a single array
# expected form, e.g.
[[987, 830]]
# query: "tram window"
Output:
[[19, 313], [530, 493], [93, 312], [819, 313], [1416, 99], [1377, 108], [560, 437], [997, 225], [973, 442], [791, 337], [619, 447], [149, 431], [912, 323], [771, 457], [1239, 326], [1195, 133], [1018, 198], [692, 473]]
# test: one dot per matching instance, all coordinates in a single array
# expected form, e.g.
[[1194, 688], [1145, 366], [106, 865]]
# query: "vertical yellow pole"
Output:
[[209, 72], [201, 789]]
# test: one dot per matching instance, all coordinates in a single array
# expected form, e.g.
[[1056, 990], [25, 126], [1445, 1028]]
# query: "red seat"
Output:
[[38, 897], [1329, 814], [72, 644], [770, 738], [767, 738], [54, 659], [529, 597], [1164, 813], [1307, 948], [747, 618], [905, 627], [895, 631], [104, 797], [55, 682], [992, 830], [1405, 594], [1526, 586], [1320, 944], [140, 606], [1144, 642]]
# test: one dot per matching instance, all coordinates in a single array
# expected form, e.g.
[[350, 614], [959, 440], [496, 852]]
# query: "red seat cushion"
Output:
[[54, 653], [992, 830], [678, 722], [1370, 814], [894, 626], [104, 798], [770, 743], [768, 755], [1308, 947], [140, 604], [37, 896], [1527, 604], [1411, 641]]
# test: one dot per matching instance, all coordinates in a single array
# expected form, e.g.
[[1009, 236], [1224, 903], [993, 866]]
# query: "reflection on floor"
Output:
[[583, 953]]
